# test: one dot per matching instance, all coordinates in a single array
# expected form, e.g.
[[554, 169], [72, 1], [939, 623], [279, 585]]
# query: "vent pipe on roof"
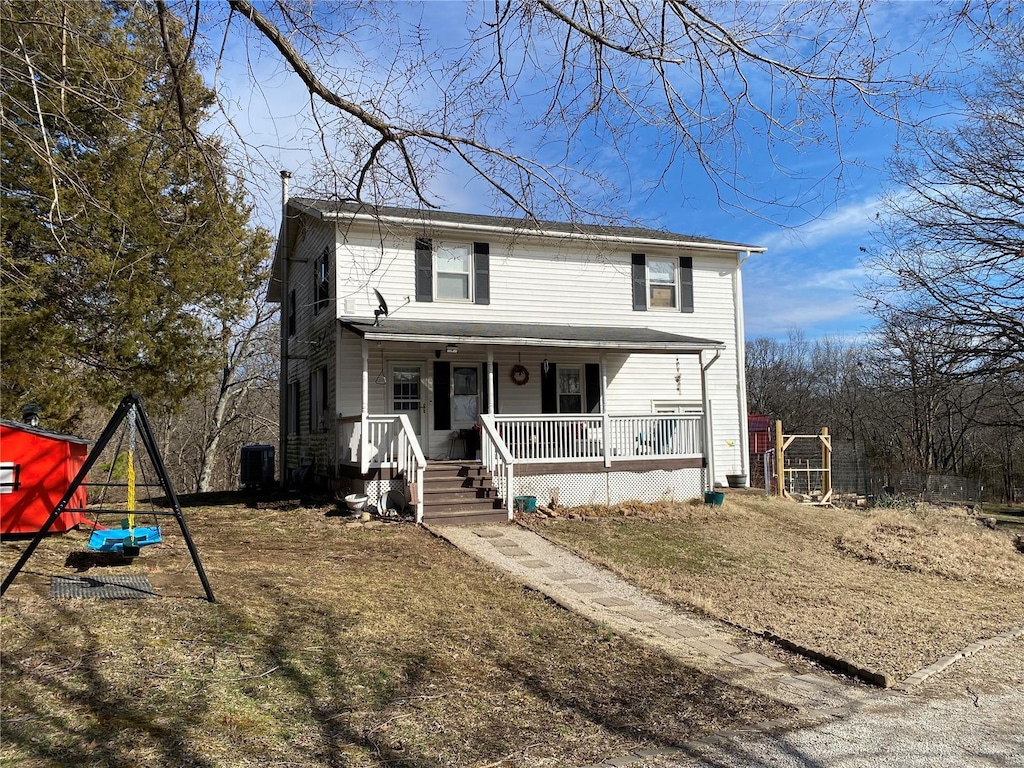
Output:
[[285, 176], [30, 414]]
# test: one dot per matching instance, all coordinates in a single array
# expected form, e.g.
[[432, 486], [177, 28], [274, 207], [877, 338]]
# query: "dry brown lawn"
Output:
[[328, 646], [888, 590]]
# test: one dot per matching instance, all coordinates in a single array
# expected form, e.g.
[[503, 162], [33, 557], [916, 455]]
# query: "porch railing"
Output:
[[387, 440], [564, 437], [497, 459]]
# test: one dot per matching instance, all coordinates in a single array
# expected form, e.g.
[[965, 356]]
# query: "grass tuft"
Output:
[[887, 590], [329, 646]]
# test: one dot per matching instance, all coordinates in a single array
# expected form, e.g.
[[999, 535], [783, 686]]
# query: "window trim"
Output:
[[319, 400], [640, 283], [10, 476], [294, 414], [426, 271], [321, 281], [469, 273], [650, 283]]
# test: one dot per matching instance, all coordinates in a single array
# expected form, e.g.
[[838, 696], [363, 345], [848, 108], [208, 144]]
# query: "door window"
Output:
[[406, 392], [466, 395], [570, 390]]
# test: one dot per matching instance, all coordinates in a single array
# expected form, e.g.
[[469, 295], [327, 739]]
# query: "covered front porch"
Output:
[[570, 415]]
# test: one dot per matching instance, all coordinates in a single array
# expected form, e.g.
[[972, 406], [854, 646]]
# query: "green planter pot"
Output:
[[714, 498]]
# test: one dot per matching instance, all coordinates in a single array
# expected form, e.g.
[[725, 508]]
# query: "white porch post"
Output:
[[709, 432], [606, 420], [364, 411], [490, 381]]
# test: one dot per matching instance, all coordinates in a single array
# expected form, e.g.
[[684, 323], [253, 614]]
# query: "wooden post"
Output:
[[780, 460], [826, 466]]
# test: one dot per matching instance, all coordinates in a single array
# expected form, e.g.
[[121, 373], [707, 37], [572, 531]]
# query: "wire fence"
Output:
[[854, 478]]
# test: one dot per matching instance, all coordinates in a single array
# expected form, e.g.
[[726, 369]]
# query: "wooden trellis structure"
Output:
[[803, 479]]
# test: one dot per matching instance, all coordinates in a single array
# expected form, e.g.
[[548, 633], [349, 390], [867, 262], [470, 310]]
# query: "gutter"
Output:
[[520, 232]]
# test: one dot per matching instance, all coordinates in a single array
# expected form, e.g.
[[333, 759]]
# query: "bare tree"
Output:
[[522, 99], [240, 406], [952, 242]]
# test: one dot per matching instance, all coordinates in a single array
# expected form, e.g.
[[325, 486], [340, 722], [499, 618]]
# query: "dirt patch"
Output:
[[328, 645], [775, 566]]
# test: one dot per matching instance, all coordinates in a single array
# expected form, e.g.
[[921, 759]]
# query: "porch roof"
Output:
[[528, 335]]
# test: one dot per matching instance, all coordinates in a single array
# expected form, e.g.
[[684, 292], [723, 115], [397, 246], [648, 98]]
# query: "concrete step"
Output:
[[464, 517]]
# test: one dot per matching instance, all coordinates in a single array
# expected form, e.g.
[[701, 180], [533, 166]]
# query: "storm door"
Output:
[[407, 394]]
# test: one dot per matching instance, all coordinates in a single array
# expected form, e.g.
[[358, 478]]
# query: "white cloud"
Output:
[[853, 218]]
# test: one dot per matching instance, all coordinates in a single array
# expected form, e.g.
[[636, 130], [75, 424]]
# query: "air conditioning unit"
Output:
[[257, 467]]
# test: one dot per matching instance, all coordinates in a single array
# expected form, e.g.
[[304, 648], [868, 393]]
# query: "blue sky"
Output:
[[808, 279]]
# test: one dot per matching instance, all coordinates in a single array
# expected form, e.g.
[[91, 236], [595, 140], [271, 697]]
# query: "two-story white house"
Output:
[[432, 354]]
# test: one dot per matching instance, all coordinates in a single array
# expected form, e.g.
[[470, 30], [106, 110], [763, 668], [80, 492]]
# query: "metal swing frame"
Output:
[[145, 431]]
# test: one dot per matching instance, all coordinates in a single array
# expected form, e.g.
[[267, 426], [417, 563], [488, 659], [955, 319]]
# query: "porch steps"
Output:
[[460, 493]]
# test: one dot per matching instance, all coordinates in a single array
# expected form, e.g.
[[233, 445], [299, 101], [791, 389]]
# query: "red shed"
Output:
[[36, 469]]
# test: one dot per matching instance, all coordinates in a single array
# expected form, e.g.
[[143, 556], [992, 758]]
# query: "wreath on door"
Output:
[[520, 375]]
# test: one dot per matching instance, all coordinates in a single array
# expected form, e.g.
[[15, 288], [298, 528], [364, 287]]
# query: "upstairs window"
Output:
[[447, 271], [321, 283], [662, 283], [453, 271], [291, 312]]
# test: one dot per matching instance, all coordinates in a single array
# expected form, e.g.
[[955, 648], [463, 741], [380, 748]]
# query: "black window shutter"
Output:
[[442, 392], [483, 388], [685, 284], [482, 267], [639, 282], [424, 270], [592, 379], [549, 389], [325, 399], [312, 395]]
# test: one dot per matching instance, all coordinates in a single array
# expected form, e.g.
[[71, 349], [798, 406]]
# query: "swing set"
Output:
[[129, 539]]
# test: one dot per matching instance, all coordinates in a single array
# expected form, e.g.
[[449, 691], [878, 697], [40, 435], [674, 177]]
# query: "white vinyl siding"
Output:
[[537, 283], [532, 282]]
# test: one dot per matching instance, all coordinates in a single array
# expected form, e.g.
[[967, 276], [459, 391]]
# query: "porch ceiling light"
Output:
[[452, 349]]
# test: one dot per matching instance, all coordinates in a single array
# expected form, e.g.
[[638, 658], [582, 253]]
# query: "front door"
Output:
[[465, 396], [407, 394]]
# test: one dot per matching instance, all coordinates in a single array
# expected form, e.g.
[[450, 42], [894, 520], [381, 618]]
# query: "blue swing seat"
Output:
[[116, 539]]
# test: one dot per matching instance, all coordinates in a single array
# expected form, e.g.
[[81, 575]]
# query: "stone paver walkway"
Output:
[[610, 601], [838, 723]]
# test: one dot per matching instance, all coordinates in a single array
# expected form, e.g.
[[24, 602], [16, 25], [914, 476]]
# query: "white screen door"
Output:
[[407, 394]]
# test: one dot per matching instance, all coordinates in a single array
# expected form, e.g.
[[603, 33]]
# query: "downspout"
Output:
[[282, 394], [741, 366], [490, 381], [709, 432]]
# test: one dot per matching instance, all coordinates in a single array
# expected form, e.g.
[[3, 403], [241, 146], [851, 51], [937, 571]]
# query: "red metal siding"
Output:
[[47, 465]]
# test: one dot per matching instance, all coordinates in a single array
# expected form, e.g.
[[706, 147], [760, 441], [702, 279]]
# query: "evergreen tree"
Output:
[[126, 241]]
